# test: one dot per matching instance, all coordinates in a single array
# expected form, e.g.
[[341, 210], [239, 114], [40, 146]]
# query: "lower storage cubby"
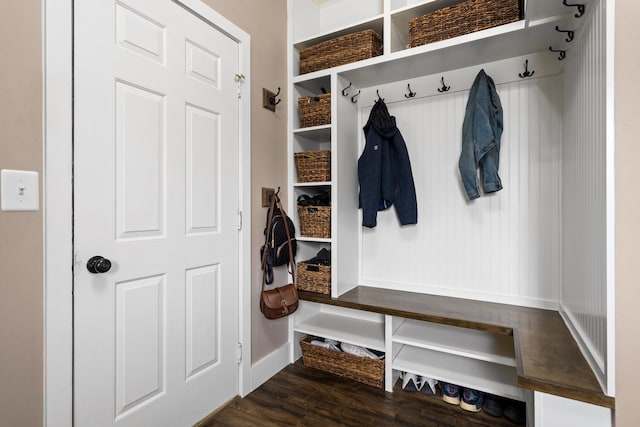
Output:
[[362, 369], [481, 375], [511, 413]]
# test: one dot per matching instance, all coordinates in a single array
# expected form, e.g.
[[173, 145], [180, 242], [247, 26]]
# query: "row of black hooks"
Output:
[[443, 88], [562, 53]]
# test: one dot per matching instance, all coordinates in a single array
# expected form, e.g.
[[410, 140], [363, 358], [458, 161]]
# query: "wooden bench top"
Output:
[[548, 358]]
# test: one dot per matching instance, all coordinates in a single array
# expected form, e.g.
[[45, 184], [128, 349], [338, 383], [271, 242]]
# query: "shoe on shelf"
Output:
[[450, 393], [493, 405], [472, 400], [410, 382], [516, 412], [428, 385]]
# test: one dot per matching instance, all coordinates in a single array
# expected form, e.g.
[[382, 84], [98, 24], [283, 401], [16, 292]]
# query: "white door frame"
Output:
[[57, 21]]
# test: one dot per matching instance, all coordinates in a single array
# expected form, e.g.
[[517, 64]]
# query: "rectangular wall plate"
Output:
[[20, 191], [266, 95], [266, 196]]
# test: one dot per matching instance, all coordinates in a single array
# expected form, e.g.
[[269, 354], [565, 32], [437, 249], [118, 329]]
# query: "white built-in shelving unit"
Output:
[[527, 266]]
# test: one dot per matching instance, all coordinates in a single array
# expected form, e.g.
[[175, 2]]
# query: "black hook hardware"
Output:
[[563, 53], [570, 34], [411, 94], [344, 91], [580, 7], [526, 73], [353, 98], [272, 99], [379, 97], [444, 87]]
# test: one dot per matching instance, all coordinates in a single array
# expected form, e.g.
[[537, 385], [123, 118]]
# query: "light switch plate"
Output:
[[19, 190]]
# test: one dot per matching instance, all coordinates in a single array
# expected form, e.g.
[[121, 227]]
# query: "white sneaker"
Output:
[[410, 382], [428, 385]]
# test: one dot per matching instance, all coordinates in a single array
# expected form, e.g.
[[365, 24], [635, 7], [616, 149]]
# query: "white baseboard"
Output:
[[268, 366]]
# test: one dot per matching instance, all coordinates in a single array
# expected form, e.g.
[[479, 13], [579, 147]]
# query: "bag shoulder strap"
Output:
[[275, 201]]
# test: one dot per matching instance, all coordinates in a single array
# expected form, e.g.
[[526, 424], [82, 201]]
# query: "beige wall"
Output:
[[266, 23], [627, 213], [21, 296]]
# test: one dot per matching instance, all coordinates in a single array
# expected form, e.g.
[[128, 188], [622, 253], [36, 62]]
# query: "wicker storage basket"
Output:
[[315, 221], [313, 166], [361, 369], [314, 277], [462, 18], [341, 50], [314, 110]]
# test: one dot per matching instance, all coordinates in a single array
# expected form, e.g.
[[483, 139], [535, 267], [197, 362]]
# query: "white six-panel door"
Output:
[[155, 192]]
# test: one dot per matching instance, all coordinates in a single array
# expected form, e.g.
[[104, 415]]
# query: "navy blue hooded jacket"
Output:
[[384, 170]]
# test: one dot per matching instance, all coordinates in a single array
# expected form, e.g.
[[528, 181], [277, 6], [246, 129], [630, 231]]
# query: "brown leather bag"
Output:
[[279, 302], [283, 300]]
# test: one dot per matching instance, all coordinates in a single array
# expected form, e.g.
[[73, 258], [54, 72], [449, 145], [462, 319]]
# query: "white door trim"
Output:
[[57, 57]]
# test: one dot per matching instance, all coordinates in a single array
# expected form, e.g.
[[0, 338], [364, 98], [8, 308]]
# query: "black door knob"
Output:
[[98, 264]]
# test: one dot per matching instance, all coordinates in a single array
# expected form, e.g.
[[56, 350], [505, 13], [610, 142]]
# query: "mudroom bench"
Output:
[[519, 352]]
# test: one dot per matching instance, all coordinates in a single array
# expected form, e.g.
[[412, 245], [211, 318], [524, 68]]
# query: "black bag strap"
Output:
[[275, 201]]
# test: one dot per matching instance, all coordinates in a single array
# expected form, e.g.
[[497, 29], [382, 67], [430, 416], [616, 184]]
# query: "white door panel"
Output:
[[156, 192]]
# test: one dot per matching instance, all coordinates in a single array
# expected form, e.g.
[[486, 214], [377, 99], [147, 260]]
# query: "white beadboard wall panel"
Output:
[[502, 247], [584, 290]]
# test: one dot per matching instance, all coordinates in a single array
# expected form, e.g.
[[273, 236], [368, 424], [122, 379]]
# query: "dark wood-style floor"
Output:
[[300, 396]]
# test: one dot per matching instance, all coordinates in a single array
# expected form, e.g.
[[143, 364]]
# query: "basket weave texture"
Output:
[[313, 166], [341, 50], [314, 277], [314, 110], [361, 369], [315, 221], [462, 18]]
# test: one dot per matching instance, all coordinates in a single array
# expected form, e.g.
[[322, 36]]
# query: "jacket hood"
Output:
[[381, 121]]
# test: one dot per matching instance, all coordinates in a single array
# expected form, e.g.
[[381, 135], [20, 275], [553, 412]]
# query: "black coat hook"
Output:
[[272, 99], [411, 94], [570, 34], [526, 73], [563, 53], [580, 7], [444, 87], [353, 98], [379, 97], [344, 91]]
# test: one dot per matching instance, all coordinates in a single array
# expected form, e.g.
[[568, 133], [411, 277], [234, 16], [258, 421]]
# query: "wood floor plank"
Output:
[[301, 396]]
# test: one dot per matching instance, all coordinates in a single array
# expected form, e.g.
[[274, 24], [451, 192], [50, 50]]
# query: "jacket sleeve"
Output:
[[405, 200]]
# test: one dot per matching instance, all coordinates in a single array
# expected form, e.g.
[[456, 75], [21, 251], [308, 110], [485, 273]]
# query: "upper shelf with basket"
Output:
[[431, 36]]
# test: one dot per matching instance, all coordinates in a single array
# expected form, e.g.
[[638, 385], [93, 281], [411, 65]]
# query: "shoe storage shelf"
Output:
[[466, 357]]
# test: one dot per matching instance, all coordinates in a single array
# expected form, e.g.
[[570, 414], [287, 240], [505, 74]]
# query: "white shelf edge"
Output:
[[484, 376], [312, 184], [312, 239], [365, 333], [411, 331], [311, 129]]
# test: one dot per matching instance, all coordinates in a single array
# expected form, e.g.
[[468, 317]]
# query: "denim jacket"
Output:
[[384, 173], [481, 132]]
